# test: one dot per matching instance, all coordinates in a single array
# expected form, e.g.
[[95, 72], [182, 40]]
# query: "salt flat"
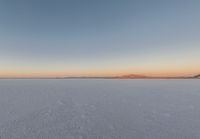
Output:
[[99, 109]]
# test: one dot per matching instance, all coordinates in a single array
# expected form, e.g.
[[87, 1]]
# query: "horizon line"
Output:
[[127, 76]]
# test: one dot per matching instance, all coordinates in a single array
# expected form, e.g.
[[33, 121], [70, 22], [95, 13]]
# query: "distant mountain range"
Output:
[[129, 76], [132, 76], [197, 76], [135, 76]]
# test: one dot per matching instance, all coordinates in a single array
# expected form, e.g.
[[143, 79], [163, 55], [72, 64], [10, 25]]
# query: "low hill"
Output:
[[133, 76], [197, 76]]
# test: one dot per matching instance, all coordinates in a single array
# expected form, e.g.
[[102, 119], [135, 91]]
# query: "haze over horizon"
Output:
[[56, 38]]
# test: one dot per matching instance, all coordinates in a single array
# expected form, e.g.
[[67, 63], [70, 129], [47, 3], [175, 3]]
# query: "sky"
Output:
[[56, 38]]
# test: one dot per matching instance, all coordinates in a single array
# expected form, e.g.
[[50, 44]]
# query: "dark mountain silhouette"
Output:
[[128, 76], [133, 76], [197, 76]]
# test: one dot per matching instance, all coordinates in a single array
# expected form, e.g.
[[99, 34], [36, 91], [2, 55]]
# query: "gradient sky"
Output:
[[99, 37]]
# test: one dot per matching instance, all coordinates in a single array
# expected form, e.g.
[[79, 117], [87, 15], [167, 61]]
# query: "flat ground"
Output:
[[100, 109]]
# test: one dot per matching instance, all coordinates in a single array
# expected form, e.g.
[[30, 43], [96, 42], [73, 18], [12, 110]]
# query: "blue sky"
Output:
[[99, 37]]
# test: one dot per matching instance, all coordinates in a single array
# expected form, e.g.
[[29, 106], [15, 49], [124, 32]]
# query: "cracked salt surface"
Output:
[[99, 109]]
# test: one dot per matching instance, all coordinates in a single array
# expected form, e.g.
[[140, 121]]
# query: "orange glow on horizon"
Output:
[[184, 71]]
